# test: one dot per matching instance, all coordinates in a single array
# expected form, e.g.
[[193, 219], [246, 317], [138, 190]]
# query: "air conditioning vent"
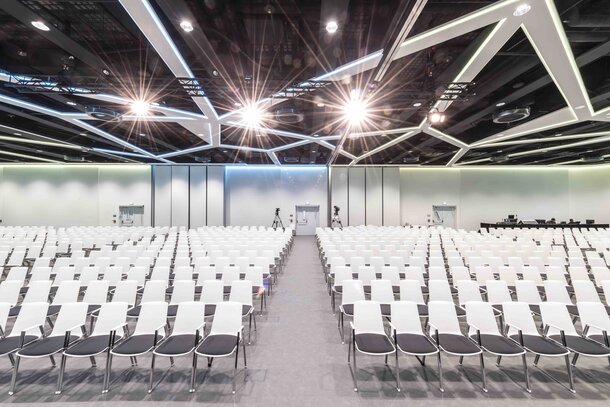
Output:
[[289, 115], [511, 115], [291, 160], [103, 113], [590, 160]]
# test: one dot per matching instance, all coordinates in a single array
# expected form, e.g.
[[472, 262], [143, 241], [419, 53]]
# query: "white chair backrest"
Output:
[[367, 318], [468, 291], [111, 315], [555, 291], [9, 291], [353, 290], [381, 291], [527, 291], [254, 274], [154, 290], [442, 316], [96, 293], [30, 316], [227, 319], [585, 291], [184, 291], [88, 275], [16, 273], [126, 291], [518, 316], [391, 273], [480, 316], [230, 274], [67, 292], [556, 315], [405, 317], [595, 316], [415, 273], [212, 292], [70, 318], [366, 274], [152, 318], [138, 273], [497, 292], [205, 273], [189, 318], [38, 291], [241, 291], [439, 290], [410, 290]]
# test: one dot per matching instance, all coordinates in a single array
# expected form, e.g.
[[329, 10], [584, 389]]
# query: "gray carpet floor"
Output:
[[296, 358]]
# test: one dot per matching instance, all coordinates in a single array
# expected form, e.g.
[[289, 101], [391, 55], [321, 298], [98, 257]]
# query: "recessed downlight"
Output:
[[71, 103], [500, 104], [417, 104], [186, 26], [522, 9], [332, 27], [40, 25]]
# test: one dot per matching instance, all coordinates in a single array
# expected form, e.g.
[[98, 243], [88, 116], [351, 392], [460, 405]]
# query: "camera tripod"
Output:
[[277, 223], [336, 221]]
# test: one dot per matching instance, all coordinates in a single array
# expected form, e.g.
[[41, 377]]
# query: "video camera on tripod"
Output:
[[277, 221], [336, 219]]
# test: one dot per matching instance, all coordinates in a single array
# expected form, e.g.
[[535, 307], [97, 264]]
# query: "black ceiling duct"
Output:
[[511, 115], [103, 113]]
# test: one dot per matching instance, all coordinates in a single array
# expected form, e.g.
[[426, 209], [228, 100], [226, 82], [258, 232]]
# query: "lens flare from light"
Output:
[[140, 107], [252, 115], [355, 110]]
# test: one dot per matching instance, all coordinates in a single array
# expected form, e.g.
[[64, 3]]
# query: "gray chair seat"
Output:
[[415, 344], [499, 345], [538, 344], [46, 346], [458, 344], [422, 309], [583, 346], [135, 345], [176, 345], [246, 309], [53, 310], [348, 309], [11, 343], [374, 343], [92, 345], [217, 345]]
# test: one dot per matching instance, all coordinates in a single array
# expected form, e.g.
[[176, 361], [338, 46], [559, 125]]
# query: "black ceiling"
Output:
[[242, 51]]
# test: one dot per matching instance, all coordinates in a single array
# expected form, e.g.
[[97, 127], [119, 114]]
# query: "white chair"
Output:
[[110, 327], [368, 335], [224, 338], [353, 290], [28, 327], [185, 337], [212, 293], [69, 327], [241, 292]]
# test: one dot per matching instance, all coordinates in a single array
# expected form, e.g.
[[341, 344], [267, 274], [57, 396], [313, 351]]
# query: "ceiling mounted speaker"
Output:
[[103, 113], [289, 115], [511, 115]]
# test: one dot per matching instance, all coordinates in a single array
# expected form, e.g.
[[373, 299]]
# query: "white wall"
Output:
[[253, 193], [80, 195], [489, 195]]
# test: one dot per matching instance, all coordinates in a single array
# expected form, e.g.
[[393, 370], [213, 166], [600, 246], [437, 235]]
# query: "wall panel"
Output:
[[339, 192], [197, 204], [180, 195], [374, 196], [123, 185], [216, 196], [357, 196], [391, 196], [163, 195]]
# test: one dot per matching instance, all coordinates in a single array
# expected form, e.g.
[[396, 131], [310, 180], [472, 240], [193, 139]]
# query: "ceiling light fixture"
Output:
[[320, 104], [71, 103], [435, 116], [105, 71], [186, 26], [332, 27], [356, 109], [579, 107], [417, 104], [500, 104], [17, 134], [140, 107], [252, 115], [522, 9], [41, 25]]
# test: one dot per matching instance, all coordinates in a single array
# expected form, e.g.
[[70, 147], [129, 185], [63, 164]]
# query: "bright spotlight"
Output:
[[522, 9], [355, 110], [252, 115], [435, 116], [332, 27], [186, 26], [140, 107], [40, 25]]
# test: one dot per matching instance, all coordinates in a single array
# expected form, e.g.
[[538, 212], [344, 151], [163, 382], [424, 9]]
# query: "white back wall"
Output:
[[253, 193], [64, 195], [81, 195]]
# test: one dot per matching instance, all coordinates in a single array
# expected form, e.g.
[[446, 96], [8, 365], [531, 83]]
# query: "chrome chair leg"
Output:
[[60, 378]]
